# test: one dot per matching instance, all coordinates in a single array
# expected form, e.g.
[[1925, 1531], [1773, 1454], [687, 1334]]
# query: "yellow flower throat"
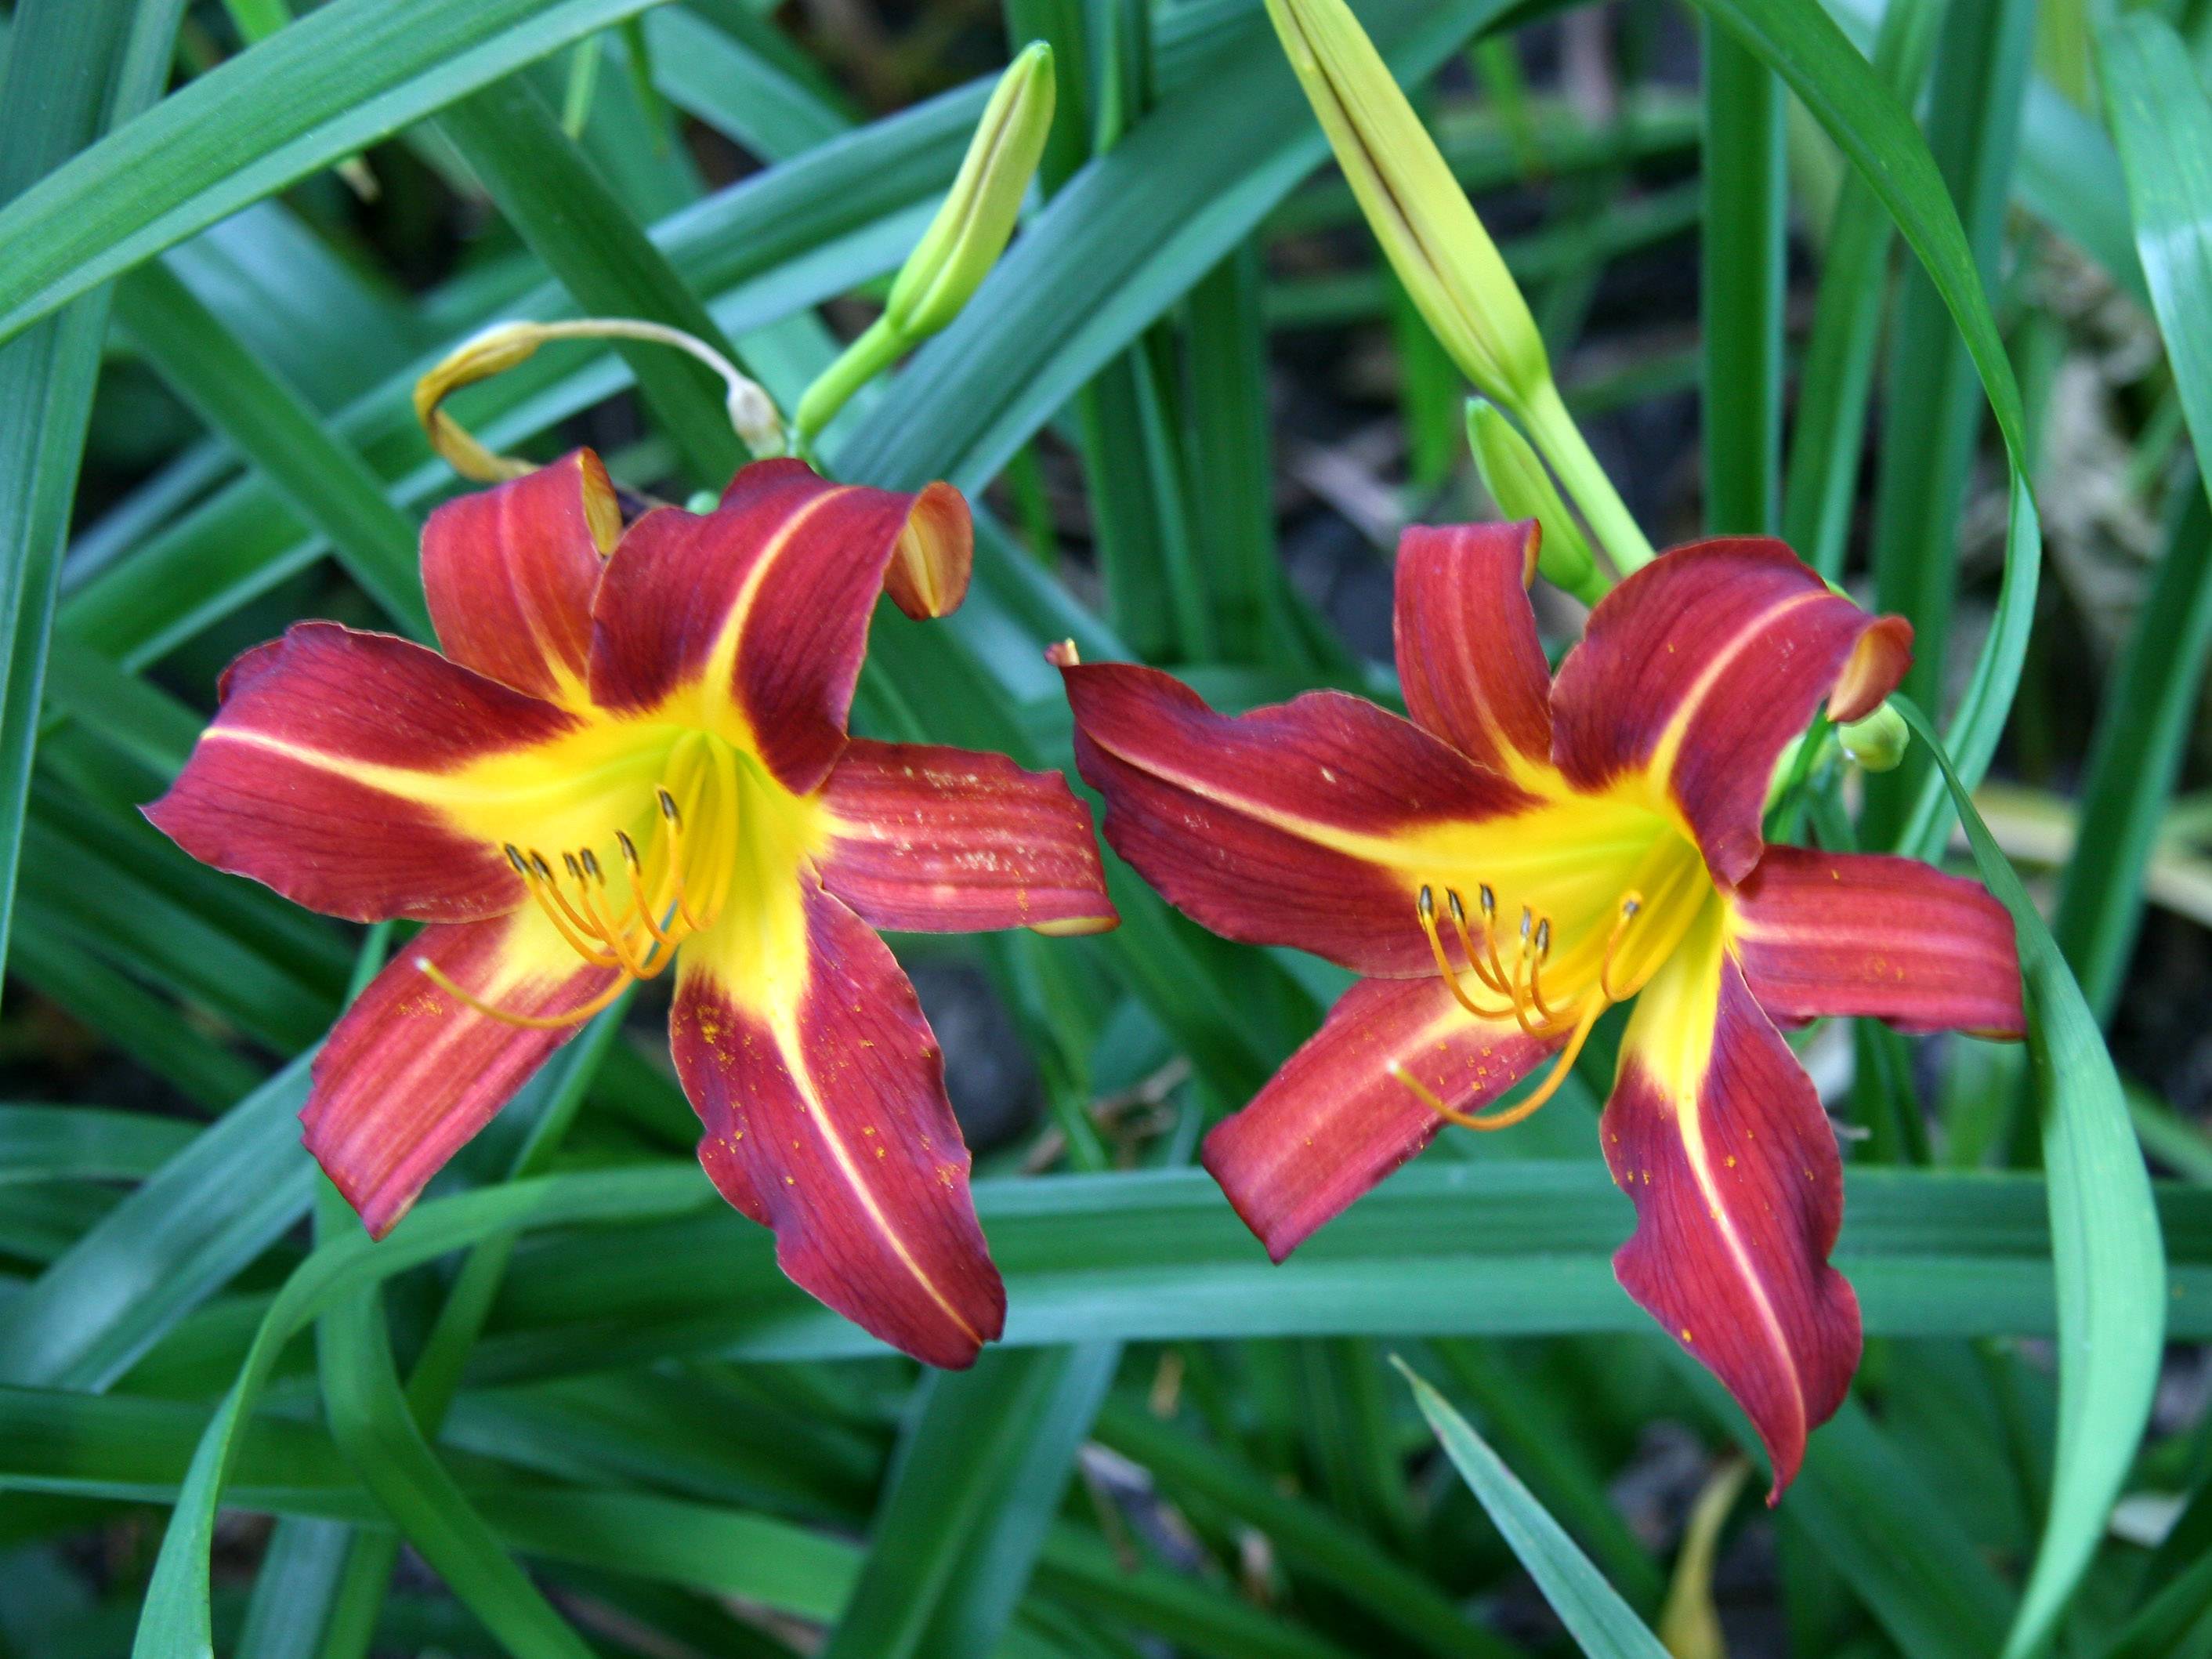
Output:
[[678, 885], [1495, 985]]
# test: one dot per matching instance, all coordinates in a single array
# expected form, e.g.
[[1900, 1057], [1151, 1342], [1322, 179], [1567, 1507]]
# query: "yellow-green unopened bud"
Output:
[[970, 230], [961, 244], [1877, 743], [1417, 209], [1521, 488]]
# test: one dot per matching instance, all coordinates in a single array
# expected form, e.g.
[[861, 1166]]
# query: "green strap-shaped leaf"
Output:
[[149, 1028], [1882, 1528], [292, 1589], [2069, 176], [361, 1584], [275, 428], [1160, 1257], [345, 76], [174, 1621], [2143, 732], [595, 247], [733, 85], [1603, 1625], [1231, 465], [2106, 1245], [1305, 1530], [74, 67], [1803, 45], [2163, 122], [2104, 1375], [1829, 420], [1932, 411], [370, 1420], [183, 1234], [135, 1448], [1740, 288], [978, 1478], [85, 1143]]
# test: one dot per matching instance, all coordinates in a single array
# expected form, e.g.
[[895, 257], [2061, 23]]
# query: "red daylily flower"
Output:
[[636, 742], [1527, 852]]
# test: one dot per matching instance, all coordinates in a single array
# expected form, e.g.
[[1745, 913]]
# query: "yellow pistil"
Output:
[[1543, 948], [1507, 1117], [576, 1015]]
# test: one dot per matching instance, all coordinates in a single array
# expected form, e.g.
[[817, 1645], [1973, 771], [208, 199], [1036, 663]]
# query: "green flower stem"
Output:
[[1545, 417], [868, 356]]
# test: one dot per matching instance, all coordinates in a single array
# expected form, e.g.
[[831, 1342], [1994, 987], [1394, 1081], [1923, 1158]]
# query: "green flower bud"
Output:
[[1521, 488], [971, 229], [1418, 211], [1877, 743], [961, 244]]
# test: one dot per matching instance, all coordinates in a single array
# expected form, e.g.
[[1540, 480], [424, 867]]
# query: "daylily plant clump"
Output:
[[1527, 853], [634, 753]]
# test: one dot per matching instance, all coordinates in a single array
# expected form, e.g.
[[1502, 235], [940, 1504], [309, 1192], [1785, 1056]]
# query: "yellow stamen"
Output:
[[1426, 907], [552, 896], [1501, 981], [595, 896], [635, 926], [1523, 988], [1466, 940], [536, 880], [1536, 964], [1522, 1003], [648, 912], [675, 822]]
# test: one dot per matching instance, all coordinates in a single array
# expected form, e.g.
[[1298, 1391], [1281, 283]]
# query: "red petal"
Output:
[[308, 778], [1821, 934], [510, 573], [1284, 826], [934, 840], [759, 609], [1715, 1132], [1701, 666], [410, 1073], [1469, 662], [1333, 1121], [825, 1116], [928, 574]]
